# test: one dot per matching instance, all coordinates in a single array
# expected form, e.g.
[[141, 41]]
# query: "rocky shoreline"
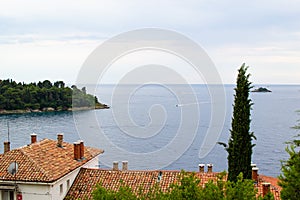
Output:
[[50, 109]]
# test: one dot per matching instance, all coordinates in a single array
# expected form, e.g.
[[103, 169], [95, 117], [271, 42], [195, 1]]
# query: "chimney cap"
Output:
[[210, 165], [266, 183], [60, 134], [33, 138], [201, 165], [255, 168]]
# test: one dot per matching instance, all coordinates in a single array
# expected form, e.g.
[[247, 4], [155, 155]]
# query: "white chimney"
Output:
[[115, 166], [124, 165], [60, 138], [209, 168], [201, 168]]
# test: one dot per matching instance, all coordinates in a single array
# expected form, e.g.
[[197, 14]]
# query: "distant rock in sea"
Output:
[[261, 89]]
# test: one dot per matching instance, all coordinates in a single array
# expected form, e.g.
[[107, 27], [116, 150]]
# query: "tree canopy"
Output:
[[43, 95], [290, 177]]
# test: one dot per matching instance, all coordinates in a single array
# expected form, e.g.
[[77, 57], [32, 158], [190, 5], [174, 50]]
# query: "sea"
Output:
[[169, 127]]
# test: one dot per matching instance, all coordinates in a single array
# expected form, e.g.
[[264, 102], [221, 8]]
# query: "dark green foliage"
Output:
[[240, 143], [124, 193], [187, 188], [269, 196], [290, 177], [155, 193], [82, 99], [236, 190], [21, 96]]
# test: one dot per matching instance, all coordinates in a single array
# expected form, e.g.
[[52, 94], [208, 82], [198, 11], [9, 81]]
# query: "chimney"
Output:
[[124, 165], [255, 174], [201, 168], [33, 138], [76, 150], [159, 177], [60, 139], [6, 147], [265, 189], [209, 168], [115, 166], [81, 149]]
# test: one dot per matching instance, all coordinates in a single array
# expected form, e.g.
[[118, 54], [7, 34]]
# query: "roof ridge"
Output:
[[27, 145], [270, 179], [89, 150]]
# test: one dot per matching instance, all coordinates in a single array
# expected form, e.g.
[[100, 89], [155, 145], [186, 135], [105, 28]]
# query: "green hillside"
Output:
[[45, 96]]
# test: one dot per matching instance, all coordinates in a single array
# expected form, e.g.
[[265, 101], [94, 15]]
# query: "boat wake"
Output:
[[189, 104]]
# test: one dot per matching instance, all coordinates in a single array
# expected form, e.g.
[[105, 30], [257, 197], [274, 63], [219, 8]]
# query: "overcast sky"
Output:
[[51, 39]]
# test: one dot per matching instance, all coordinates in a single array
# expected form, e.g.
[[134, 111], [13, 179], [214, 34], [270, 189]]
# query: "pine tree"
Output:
[[240, 143]]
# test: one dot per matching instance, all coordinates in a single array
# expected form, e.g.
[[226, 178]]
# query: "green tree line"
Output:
[[41, 95]]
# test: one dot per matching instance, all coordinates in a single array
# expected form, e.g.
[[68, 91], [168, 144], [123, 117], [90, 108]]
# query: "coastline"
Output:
[[50, 109]]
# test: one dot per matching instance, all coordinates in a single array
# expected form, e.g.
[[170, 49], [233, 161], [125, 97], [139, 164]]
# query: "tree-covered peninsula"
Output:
[[44, 96]]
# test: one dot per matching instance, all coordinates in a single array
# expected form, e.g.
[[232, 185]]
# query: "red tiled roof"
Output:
[[43, 161], [275, 188], [87, 180]]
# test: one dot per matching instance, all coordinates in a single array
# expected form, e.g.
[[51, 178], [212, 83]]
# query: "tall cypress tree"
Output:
[[240, 143]]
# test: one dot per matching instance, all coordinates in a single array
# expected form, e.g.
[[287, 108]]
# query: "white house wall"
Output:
[[55, 188], [35, 192]]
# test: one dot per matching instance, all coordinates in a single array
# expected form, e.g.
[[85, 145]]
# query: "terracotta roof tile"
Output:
[[87, 180], [275, 188], [43, 161]]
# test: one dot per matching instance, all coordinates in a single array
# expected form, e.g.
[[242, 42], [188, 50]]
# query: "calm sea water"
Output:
[[152, 110]]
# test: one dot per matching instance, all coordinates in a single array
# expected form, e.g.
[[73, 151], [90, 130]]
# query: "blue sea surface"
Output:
[[157, 111]]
